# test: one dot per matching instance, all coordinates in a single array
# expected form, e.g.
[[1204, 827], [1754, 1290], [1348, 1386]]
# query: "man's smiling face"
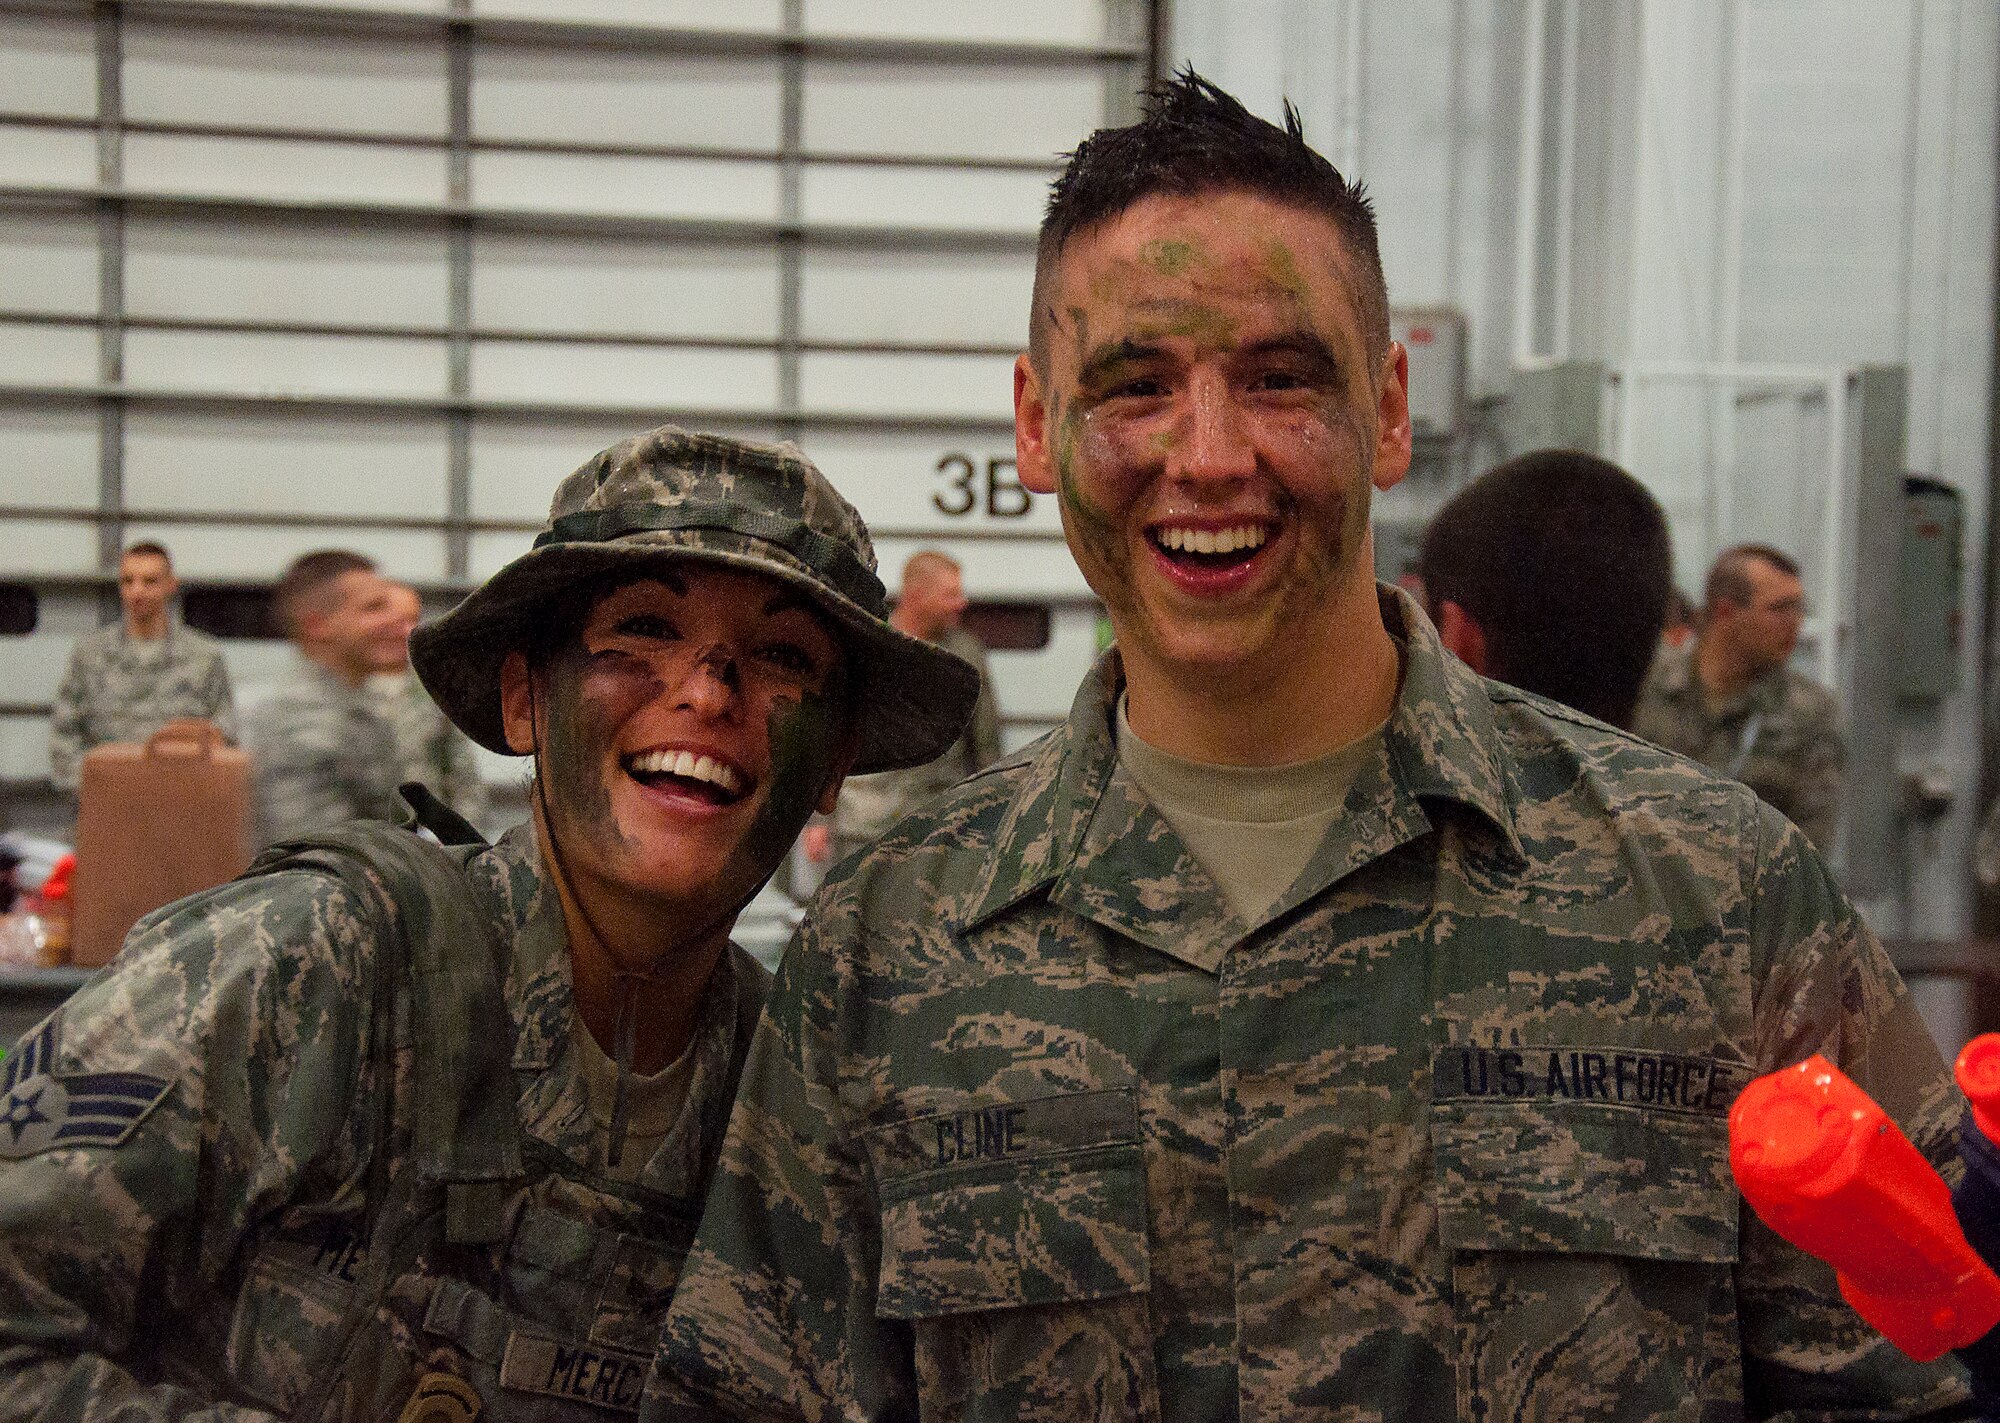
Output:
[[1212, 423]]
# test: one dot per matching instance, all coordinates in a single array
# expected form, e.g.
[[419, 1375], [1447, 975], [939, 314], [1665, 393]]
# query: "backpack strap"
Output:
[[435, 943], [427, 812]]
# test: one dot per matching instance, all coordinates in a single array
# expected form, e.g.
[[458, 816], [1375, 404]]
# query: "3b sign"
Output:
[[970, 486]]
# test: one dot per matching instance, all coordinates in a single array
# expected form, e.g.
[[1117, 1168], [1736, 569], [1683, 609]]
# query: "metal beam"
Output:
[[207, 326], [529, 410], [404, 214], [574, 34], [544, 147]]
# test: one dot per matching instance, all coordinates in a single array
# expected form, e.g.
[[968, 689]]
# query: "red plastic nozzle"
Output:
[[1824, 1167], [56, 886], [1978, 1074]]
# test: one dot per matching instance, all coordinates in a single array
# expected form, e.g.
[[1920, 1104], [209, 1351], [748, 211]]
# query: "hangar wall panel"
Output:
[[278, 275]]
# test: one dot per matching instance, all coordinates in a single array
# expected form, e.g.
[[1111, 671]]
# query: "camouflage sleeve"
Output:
[[1817, 806], [983, 735], [300, 782], [201, 1083], [1828, 987], [220, 701], [66, 746], [464, 789], [774, 1317]]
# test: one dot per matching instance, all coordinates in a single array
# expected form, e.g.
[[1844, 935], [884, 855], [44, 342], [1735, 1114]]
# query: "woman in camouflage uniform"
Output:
[[386, 1131]]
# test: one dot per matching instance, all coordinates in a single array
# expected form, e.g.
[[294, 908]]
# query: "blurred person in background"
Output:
[[1553, 572], [321, 750], [1679, 631], [1731, 702], [429, 749], [930, 606], [391, 1130], [127, 680]]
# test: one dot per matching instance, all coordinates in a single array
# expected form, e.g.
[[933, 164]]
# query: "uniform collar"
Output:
[[1673, 668], [330, 686], [528, 919], [1081, 830], [125, 638], [1677, 678]]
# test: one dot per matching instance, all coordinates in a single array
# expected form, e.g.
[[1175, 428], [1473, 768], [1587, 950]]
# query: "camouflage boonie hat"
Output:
[[669, 495]]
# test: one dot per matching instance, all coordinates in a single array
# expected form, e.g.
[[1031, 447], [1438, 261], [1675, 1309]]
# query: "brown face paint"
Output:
[[589, 696]]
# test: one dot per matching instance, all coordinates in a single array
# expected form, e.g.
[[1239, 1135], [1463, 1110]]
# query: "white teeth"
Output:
[[1176, 539], [691, 766]]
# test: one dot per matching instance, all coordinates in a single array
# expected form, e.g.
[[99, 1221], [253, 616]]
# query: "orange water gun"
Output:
[[1824, 1167]]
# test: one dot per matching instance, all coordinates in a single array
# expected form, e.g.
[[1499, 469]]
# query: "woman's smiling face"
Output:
[[683, 737]]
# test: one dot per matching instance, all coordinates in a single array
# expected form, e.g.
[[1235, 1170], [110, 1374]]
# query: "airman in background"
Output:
[[1732, 702], [322, 752], [930, 605], [429, 749], [126, 681]]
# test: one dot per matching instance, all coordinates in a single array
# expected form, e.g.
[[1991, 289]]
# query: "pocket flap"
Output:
[[1012, 1204], [1546, 1177]]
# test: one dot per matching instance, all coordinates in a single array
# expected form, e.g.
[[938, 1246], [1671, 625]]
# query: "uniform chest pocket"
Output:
[[293, 1299], [1590, 1252], [1014, 1244], [571, 1317]]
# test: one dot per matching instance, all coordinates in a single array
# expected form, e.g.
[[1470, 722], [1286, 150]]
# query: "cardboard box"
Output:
[[154, 823]]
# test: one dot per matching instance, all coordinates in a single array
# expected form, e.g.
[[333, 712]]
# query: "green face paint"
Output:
[[1192, 321], [805, 738], [588, 693], [1169, 256], [1282, 267], [1090, 526]]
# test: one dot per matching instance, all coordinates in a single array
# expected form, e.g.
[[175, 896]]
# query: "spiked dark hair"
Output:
[[1196, 139]]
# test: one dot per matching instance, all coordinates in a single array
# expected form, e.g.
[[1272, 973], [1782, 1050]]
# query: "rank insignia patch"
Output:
[[42, 1111]]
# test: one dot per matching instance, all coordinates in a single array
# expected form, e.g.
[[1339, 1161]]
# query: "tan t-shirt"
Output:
[[652, 1104], [1252, 827]]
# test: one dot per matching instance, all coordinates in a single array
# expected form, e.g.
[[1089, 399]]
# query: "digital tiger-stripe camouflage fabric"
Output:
[[1034, 1129]]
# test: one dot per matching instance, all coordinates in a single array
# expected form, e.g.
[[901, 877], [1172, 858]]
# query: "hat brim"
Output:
[[914, 698]]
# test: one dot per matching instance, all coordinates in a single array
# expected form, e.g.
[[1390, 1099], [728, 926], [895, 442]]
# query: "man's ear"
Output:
[[1392, 420], [1031, 442], [517, 705], [843, 761], [1463, 635]]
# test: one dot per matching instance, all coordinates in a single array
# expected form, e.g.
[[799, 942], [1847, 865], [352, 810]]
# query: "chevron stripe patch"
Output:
[[43, 1111]]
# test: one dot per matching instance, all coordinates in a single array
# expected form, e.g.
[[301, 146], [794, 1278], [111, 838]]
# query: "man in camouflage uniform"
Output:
[[1309, 1029], [1731, 702], [930, 605], [1551, 572], [126, 681], [390, 1132], [429, 748], [322, 752]]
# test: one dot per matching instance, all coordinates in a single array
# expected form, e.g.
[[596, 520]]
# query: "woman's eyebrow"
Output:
[[786, 599]]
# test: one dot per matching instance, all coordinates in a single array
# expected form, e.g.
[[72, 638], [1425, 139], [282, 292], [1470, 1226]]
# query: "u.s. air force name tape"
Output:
[[42, 1110], [1614, 1076]]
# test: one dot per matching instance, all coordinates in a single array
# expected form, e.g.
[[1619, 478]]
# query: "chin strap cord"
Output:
[[625, 1031], [625, 1035]]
